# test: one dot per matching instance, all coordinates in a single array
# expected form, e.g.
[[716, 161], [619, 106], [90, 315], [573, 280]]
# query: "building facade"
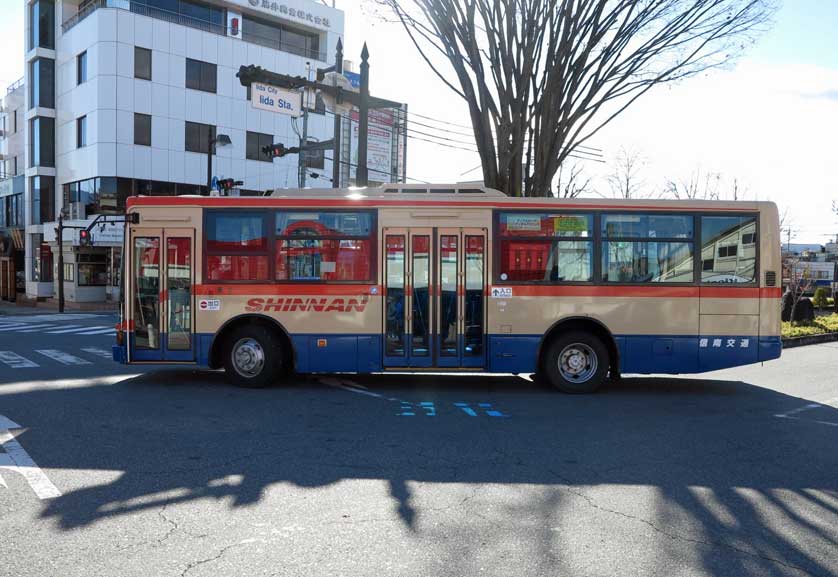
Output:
[[125, 97], [12, 185]]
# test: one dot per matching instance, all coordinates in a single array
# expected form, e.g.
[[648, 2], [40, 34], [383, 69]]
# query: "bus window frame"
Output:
[[597, 240], [497, 238], [372, 239], [269, 220], [603, 239], [206, 253], [757, 216]]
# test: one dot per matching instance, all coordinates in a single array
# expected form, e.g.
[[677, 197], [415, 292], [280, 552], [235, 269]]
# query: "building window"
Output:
[[237, 246], [734, 240], [42, 141], [42, 24], [43, 199], [81, 68], [256, 141], [69, 271], [647, 248], [198, 137], [279, 37], [93, 269], [142, 129], [142, 63], [42, 80], [546, 248], [81, 131], [200, 75]]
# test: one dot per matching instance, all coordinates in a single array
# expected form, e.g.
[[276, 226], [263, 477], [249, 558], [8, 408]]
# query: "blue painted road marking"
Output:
[[466, 409]]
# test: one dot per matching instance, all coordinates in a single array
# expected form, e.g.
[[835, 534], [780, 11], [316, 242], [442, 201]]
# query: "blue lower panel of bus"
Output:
[[645, 354], [518, 353]]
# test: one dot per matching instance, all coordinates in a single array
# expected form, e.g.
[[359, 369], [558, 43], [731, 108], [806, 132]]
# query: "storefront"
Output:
[[91, 273]]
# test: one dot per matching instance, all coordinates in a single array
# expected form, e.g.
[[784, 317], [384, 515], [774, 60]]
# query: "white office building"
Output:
[[122, 97]]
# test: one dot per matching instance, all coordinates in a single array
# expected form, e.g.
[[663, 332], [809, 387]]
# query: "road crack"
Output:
[[675, 536]]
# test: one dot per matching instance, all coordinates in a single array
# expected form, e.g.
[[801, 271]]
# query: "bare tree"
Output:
[[571, 182], [800, 281], [626, 177], [698, 185], [541, 77]]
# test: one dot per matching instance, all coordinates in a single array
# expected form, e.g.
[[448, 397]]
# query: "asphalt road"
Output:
[[174, 472]]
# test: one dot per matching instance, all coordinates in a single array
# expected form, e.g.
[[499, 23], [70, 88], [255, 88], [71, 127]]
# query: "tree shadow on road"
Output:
[[713, 452]]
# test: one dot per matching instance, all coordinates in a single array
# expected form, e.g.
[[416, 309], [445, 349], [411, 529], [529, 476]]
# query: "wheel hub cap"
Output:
[[248, 357], [577, 362]]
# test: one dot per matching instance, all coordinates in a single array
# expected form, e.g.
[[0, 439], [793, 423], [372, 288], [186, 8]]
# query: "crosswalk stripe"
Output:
[[62, 357], [16, 361], [13, 326], [36, 329], [26, 327], [96, 330], [99, 352], [67, 329]]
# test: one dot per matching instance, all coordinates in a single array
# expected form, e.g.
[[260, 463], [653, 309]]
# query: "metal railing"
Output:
[[14, 85], [143, 9]]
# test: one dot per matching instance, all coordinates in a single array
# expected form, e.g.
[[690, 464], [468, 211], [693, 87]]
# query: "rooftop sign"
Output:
[[288, 11]]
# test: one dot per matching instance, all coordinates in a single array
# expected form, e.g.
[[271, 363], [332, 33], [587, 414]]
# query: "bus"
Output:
[[449, 278]]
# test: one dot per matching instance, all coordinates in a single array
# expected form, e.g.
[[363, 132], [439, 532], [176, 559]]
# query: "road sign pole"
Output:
[[60, 236], [361, 173], [337, 126]]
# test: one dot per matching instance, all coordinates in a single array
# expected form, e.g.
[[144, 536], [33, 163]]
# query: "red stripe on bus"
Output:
[[644, 291], [285, 289], [372, 203]]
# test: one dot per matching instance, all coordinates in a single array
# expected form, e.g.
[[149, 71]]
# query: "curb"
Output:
[[790, 343]]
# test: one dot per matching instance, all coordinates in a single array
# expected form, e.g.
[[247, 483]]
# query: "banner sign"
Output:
[[274, 99]]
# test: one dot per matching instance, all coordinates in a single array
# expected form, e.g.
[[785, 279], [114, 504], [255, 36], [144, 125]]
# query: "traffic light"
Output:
[[279, 150], [228, 184], [84, 237]]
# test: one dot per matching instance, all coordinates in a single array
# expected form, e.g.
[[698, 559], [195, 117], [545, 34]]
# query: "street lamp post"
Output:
[[220, 140]]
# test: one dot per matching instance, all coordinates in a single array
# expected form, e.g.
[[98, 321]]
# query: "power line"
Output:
[[352, 164]]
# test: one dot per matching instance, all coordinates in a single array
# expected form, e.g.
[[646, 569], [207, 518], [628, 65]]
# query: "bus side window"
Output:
[[728, 249]]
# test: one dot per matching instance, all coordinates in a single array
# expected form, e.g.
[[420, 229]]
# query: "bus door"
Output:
[[161, 298], [434, 302]]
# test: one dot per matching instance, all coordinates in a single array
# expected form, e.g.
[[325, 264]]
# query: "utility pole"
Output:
[[338, 120], [303, 157], [250, 74], [59, 232], [361, 172]]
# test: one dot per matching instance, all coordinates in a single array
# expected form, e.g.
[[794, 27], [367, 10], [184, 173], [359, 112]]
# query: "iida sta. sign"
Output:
[[310, 304]]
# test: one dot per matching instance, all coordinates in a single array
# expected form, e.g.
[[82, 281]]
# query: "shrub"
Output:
[[819, 300]]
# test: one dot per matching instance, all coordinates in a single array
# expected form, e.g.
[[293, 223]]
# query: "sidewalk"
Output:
[[51, 306]]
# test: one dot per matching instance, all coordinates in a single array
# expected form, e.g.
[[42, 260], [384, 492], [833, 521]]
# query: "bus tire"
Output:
[[576, 362], [253, 357]]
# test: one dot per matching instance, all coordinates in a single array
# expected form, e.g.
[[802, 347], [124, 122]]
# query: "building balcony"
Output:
[[216, 26]]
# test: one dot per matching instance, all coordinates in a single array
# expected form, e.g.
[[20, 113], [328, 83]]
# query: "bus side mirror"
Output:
[[133, 218]]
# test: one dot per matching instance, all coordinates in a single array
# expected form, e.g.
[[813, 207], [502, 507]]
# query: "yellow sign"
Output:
[[570, 224]]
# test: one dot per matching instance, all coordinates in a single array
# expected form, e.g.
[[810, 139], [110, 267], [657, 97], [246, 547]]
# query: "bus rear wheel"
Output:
[[253, 357], [576, 363]]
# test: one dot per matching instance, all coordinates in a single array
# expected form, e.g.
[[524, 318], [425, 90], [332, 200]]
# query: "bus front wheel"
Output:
[[576, 362], [253, 357]]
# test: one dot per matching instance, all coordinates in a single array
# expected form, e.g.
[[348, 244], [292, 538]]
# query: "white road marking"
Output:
[[62, 357], [94, 330], [349, 386], [16, 361], [37, 329], [811, 406], [18, 460], [66, 329], [24, 326], [99, 352], [11, 325], [109, 330]]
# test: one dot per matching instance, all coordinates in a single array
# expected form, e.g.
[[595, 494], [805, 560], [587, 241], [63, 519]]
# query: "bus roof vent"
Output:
[[441, 189]]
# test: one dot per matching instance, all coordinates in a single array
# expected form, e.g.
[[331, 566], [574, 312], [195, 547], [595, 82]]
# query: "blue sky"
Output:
[[804, 31]]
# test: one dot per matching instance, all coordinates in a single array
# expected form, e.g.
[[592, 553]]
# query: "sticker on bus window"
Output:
[[328, 266], [209, 304], [531, 222], [570, 224], [501, 292]]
